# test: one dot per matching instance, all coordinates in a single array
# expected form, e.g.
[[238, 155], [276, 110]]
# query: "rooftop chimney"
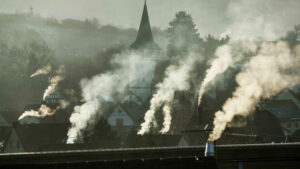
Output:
[[210, 149]]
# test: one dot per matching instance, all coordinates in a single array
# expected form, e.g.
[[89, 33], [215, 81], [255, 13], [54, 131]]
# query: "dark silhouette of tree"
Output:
[[293, 37], [183, 35], [18, 88], [102, 133], [211, 44]]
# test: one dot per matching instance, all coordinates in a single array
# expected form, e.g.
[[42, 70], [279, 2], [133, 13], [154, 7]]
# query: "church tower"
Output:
[[144, 39]]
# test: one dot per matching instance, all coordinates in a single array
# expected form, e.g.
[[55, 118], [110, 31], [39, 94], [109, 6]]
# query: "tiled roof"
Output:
[[283, 109]]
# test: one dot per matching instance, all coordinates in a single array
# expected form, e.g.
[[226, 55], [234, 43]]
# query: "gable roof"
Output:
[[134, 111], [4, 135], [283, 109], [294, 97], [33, 136]]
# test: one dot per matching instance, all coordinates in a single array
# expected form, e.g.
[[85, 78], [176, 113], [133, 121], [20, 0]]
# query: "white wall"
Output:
[[119, 113]]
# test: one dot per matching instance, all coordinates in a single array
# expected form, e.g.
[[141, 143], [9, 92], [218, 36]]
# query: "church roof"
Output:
[[144, 37]]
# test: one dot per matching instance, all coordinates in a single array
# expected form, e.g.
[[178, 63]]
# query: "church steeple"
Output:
[[144, 36]]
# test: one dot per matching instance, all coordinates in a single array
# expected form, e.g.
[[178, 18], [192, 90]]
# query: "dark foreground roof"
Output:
[[200, 138], [273, 156], [33, 136], [152, 140]]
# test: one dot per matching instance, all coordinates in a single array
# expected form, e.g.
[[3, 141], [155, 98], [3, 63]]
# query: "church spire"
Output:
[[144, 35]]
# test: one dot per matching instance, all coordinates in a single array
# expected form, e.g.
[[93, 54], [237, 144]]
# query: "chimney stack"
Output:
[[210, 149]]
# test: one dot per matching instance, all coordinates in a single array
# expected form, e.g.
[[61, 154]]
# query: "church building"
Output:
[[143, 69], [144, 39]]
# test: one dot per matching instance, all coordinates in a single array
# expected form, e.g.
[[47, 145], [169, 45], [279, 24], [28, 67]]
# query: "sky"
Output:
[[260, 18]]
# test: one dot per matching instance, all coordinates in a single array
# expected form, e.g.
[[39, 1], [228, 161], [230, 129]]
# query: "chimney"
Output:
[[210, 149]]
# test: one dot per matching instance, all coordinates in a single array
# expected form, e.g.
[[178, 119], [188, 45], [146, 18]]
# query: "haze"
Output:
[[211, 17]]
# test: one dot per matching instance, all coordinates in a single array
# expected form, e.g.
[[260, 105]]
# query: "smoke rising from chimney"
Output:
[[43, 111], [176, 80], [273, 69], [54, 81], [94, 92], [43, 71], [218, 66], [226, 56]]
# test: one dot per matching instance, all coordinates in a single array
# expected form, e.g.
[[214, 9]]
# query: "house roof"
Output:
[[288, 91], [261, 123], [134, 111], [81, 146], [200, 138], [61, 115], [283, 109], [33, 136], [131, 97], [4, 135], [152, 140]]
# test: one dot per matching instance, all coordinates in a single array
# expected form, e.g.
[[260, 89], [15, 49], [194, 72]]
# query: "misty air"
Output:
[[150, 84]]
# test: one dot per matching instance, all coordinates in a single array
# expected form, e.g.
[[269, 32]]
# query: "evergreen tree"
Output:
[[183, 35], [293, 37]]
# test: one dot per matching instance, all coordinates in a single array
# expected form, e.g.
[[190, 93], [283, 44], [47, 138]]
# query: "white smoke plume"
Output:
[[94, 93], [218, 66], [54, 81], [167, 118], [226, 55], [176, 80], [43, 71], [273, 69], [43, 111]]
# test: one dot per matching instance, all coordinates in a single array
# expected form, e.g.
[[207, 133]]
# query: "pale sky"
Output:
[[255, 17]]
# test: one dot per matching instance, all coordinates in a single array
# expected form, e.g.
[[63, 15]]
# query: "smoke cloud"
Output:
[[218, 66], [54, 81], [43, 111], [226, 56], [94, 93], [273, 69], [256, 19], [43, 71], [176, 80]]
